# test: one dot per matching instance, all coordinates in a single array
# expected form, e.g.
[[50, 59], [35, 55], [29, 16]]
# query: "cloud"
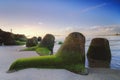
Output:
[[111, 29], [92, 8], [95, 30], [40, 23]]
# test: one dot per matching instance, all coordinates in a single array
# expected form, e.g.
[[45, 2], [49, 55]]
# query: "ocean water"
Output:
[[114, 42]]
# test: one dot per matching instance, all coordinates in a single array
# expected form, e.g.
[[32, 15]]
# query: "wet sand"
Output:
[[9, 54]]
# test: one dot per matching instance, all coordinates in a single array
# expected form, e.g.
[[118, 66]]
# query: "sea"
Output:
[[114, 42]]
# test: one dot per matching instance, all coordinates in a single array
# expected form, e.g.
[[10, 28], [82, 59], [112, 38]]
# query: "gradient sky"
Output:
[[38, 17]]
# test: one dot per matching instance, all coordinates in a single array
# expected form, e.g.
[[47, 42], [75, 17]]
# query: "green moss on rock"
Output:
[[70, 56], [60, 42], [20, 37], [30, 48], [36, 62], [31, 42], [43, 51], [73, 49], [20, 43], [48, 42]]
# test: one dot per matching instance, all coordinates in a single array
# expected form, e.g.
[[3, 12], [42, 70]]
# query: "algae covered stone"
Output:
[[70, 56], [31, 42], [72, 50], [99, 54], [20, 37], [48, 42]]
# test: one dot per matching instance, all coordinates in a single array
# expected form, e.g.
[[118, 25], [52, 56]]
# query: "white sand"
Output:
[[11, 53]]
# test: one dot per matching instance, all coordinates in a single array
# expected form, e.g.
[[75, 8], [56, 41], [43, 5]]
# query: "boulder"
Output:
[[39, 38], [99, 54], [35, 39], [7, 38], [48, 42], [31, 42], [20, 37], [72, 51]]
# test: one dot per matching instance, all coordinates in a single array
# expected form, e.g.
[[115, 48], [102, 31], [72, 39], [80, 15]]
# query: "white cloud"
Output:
[[40, 23], [94, 30], [90, 8], [111, 29], [93, 7]]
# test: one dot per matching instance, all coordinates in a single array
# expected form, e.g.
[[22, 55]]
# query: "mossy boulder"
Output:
[[31, 42], [35, 39], [7, 38], [72, 50], [48, 42], [70, 56], [20, 37], [99, 54]]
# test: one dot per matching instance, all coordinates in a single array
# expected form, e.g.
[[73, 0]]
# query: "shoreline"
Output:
[[62, 74], [10, 54]]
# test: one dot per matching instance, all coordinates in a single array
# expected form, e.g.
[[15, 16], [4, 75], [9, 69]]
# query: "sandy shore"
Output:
[[11, 53]]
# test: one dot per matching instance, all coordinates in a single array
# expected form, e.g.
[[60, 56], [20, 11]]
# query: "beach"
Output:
[[9, 54]]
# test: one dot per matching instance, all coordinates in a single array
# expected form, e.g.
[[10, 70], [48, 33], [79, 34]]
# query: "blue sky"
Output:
[[38, 17]]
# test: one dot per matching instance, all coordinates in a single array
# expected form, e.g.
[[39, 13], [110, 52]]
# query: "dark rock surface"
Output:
[[20, 37], [99, 54], [39, 38], [7, 38], [31, 42]]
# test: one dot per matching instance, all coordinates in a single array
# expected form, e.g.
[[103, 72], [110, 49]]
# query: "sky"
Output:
[[60, 17]]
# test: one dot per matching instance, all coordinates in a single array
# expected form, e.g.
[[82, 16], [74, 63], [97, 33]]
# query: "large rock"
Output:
[[72, 51], [99, 54], [36, 39], [31, 42], [48, 42], [7, 38]]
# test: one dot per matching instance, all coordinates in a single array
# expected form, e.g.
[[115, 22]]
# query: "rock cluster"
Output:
[[70, 56]]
